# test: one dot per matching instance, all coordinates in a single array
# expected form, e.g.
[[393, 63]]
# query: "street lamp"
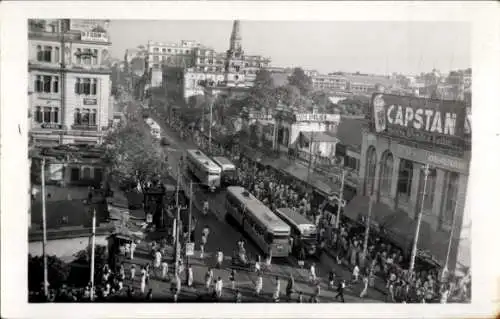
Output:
[[450, 240], [427, 172]]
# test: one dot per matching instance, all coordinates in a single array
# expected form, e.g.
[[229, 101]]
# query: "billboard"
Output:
[[443, 123]]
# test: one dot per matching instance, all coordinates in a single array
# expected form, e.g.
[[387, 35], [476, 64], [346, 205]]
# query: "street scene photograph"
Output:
[[244, 161]]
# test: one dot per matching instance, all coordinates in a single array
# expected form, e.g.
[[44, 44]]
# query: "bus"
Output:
[[203, 168], [155, 130], [303, 231], [268, 231], [228, 175]]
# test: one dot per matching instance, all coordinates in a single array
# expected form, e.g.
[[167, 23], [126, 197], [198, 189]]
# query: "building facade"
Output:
[[69, 82], [406, 135], [204, 65]]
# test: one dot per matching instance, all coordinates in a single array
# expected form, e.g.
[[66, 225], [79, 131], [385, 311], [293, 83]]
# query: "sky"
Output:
[[329, 46]]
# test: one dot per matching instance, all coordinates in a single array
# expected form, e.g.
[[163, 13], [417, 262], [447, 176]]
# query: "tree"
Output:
[[263, 80], [131, 151], [301, 81], [79, 275], [288, 95], [58, 272]]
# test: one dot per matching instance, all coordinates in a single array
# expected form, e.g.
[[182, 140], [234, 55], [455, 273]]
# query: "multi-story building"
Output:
[[204, 63], [415, 159], [69, 80], [329, 82]]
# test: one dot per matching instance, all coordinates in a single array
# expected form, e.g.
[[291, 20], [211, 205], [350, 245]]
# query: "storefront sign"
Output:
[[317, 117], [189, 249], [89, 101], [260, 116], [53, 126], [421, 120], [432, 158]]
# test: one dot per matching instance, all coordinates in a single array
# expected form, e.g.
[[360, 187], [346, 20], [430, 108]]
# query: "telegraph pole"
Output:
[[44, 225], [92, 257], [310, 156], [426, 170], [367, 229], [341, 199]]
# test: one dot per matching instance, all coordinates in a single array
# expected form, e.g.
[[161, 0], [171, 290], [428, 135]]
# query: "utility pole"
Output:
[[44, 225], [341, 199], [177, 223], [452, 232], [92, 257], [63, 75], [189, 224], [310, 157], [426, 171], [210, 128], [367, 229]]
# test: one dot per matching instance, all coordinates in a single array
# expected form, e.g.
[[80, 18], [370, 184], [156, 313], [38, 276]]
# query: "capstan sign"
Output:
[[421, 120]]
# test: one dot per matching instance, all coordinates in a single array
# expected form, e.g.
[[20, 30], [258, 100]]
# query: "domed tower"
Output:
[[235, 63]]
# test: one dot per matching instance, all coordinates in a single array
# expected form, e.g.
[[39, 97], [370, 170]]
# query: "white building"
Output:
[[69, 83]]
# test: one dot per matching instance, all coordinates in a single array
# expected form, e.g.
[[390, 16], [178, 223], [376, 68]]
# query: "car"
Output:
[[164, 141]]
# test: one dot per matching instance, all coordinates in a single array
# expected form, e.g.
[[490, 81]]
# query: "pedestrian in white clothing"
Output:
[[277, 288], [190, 276], [364, 292], [132, 272], [258, 285], [312, 271], [143, 280], [133, 246], [164, 270], [218, 287], [355, 273]]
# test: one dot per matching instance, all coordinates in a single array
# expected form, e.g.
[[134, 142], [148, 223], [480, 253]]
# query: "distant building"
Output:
[[69, 81], [329, 82], [203, 63], [362, 84]]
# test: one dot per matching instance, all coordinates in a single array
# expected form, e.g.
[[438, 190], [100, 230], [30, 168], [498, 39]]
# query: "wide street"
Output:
[[224, 235]]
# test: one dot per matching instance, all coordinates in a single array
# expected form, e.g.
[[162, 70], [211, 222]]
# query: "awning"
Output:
[[400, 228], [358, 208]]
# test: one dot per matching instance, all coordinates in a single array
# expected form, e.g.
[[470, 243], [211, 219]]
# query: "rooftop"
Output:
[[349, 132], [321, 136]]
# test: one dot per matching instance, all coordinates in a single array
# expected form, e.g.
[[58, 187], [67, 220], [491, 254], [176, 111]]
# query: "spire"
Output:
[[235, 42]]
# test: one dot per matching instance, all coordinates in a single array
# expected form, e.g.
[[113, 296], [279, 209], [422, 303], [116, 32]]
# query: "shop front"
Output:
[[405, 175]]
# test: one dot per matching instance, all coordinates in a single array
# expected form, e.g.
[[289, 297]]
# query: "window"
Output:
[[164, 58], [55, 115], [46, 83], [86, 117], [156, 58], [55, 84], [78, 86], [93, 90], [47, 54], [78, 116], [93, 117], [38, 115], [46, 114], [38, 84], [94, 57], [56, 55], [164, 50], [86, 86], [169, 50], [371, 165], [86, 57], [450, 199], [405, 181], [39, 53], [78, 56], [386, 174], [156, 50]]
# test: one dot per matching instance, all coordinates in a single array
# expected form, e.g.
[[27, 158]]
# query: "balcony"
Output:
[[84, 127], [94, 36]]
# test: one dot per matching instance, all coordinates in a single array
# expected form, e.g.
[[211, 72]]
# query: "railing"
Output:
[[84, 127]]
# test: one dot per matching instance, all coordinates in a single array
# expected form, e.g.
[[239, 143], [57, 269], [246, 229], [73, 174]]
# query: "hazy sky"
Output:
[[372, 47]]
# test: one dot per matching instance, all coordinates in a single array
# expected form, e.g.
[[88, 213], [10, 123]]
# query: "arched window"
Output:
[[371, 166], [404, 181], [386, 174]]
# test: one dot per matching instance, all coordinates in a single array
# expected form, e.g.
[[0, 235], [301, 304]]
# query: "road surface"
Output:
[[224, 235]]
